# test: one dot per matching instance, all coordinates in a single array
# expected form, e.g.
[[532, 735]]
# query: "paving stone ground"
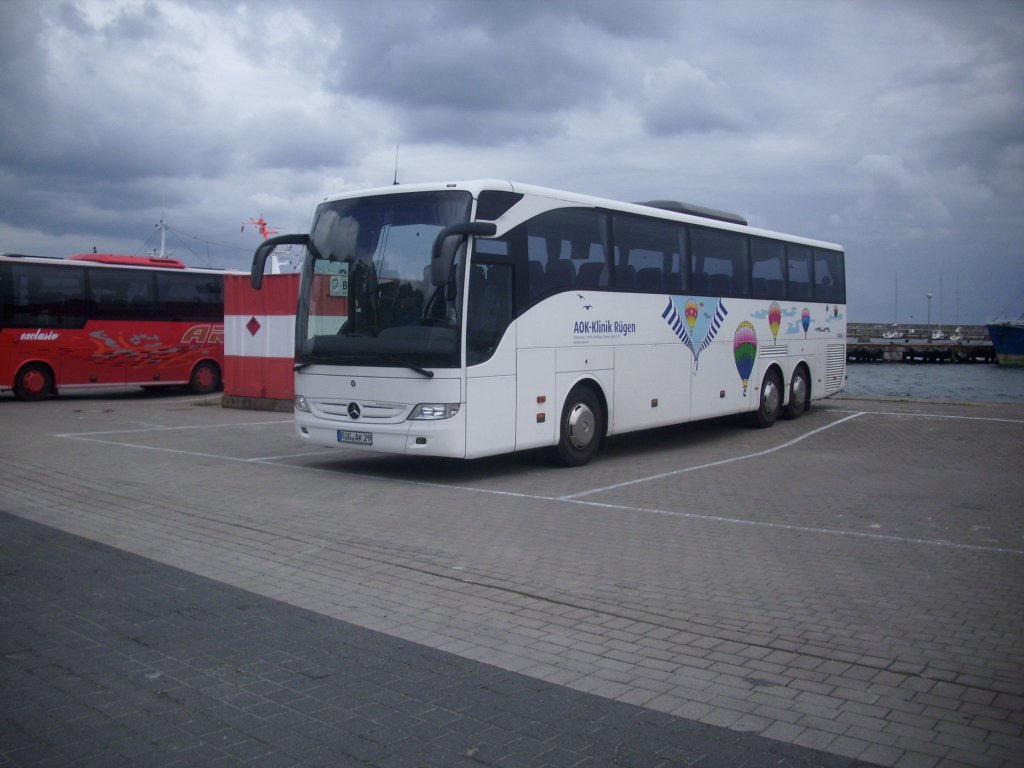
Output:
[[851, 582], [108, 658]]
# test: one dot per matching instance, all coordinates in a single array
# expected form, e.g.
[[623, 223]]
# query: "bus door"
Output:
[[490, 353]]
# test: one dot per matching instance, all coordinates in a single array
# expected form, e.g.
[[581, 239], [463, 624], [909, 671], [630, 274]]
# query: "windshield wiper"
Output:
[[412, 366], [312, 360]]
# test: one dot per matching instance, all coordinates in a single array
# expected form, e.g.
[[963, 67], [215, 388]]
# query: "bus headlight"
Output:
[[434, 411], [301, 404]]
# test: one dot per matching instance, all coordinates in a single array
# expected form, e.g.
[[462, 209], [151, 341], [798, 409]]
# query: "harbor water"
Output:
[[972, 383]]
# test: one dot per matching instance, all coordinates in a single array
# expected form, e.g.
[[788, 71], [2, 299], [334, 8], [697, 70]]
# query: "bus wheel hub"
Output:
[[581, 426]]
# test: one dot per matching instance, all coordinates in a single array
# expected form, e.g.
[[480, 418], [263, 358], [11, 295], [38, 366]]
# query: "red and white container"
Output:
[[259, 342]]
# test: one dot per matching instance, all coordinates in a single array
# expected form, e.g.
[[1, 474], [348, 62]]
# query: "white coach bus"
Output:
[[477, 318]]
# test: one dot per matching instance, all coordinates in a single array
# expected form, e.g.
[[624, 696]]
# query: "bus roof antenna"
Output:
[[396, 166]]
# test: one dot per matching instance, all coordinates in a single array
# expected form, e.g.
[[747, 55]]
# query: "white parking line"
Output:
[[80, 435], [799, 528], [577, 498], [940, 416], [662, 475]]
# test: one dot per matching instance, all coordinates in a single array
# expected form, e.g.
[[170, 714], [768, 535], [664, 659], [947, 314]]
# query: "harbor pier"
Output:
[[867, 343]]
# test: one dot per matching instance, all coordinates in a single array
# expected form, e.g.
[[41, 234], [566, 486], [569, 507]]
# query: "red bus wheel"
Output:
[[33, 382], [205, 378]]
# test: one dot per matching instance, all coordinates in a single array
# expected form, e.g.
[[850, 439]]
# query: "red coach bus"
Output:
[[108, 320]]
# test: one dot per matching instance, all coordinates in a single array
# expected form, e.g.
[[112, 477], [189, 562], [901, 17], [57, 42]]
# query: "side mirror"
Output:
[[259, 259], [442, 256]]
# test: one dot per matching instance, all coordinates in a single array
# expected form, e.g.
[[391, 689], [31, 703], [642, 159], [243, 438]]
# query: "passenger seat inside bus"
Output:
[[592, 274], [560, 275], [649, 279], [625, 276]]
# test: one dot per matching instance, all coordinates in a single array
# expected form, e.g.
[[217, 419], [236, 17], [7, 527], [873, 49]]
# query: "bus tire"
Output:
[[33, 382], [205, 378], [581, 427], [799, 394], [770, 402]]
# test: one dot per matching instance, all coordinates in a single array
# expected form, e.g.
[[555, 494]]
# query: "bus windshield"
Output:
[[367, 297]]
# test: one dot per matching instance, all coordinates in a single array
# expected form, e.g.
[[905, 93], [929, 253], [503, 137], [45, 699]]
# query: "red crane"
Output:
[[262, 226]]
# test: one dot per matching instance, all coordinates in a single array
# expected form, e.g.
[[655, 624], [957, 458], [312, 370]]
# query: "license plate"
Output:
[[362, 438]]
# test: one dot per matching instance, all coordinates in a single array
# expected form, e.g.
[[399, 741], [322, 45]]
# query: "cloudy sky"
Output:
[[894, 128]]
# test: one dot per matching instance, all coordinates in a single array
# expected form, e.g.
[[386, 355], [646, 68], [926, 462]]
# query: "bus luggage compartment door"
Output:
[[536, 402]]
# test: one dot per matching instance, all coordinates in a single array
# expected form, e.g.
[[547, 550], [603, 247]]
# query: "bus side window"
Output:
[[559, 275], [558, 244], [722, 261], [800, 275], [649, 254], [41, 296], [122, 294], [490, 309], [536, 278], [767, 265], [189, 296], [591, 266], [828, 271]]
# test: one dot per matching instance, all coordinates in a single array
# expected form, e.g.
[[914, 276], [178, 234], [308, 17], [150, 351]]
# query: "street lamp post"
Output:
[[929, 326]]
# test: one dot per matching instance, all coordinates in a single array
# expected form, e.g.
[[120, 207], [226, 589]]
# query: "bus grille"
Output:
[[835, 367]]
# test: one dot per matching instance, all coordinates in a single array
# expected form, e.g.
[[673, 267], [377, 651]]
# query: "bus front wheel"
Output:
[[581, 428], [770, 402], [205, 378], [33, 382]]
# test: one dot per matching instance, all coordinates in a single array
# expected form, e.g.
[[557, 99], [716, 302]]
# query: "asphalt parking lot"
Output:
[[847, 586]]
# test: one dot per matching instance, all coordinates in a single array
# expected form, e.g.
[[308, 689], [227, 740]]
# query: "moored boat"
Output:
[[1008, 340]]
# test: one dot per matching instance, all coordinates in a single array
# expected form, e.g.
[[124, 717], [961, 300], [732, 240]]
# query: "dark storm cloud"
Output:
[[91, 114], [893, 128], [477, 72], [109, 112], [282, 138]]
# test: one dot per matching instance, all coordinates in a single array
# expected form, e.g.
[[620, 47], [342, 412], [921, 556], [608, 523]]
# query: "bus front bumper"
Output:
[[441, 437]]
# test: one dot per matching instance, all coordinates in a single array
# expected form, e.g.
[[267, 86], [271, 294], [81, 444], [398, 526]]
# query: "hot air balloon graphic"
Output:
[[805, 320], [774, 318], [697, 325], [690, 312], [744, 349]]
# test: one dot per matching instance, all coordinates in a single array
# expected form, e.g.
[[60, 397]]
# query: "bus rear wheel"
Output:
[[33, 382], [770, 403], [581, 427], [205, 378], [799, 394]]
